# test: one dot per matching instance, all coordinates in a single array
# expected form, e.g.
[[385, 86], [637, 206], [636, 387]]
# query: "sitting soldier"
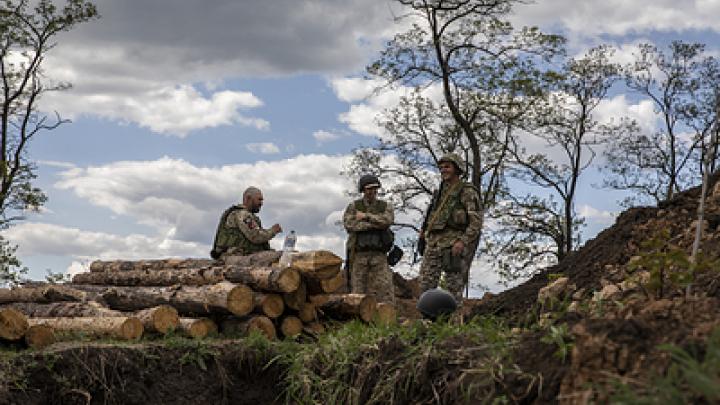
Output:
[[240, 231]]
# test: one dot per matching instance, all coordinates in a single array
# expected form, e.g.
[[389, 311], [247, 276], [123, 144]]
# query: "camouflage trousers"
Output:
[[432, 267], [370, 274]]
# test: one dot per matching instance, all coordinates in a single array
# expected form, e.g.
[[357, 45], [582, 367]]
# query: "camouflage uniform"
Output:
[[242, 233], [369, 271], [459, 218]]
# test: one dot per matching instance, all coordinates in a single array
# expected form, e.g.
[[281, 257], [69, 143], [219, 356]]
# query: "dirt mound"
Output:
[[141, 374]]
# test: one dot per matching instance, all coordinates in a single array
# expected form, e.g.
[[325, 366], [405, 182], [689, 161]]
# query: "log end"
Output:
[[289, 279], [39, 336], [130, 329], [199, 328], [366, 308], [273, 305], [291, 326], [308, 312], [13, 324], [264, 325], [385, 313], [164, 319], [240, 300]]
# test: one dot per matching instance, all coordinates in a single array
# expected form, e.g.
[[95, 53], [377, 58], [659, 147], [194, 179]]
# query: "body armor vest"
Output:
[[379, 240], [453, 214], [227, 237]]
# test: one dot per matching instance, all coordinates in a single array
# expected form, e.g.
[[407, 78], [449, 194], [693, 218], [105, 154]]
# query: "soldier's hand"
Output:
[[360, 216], [457, 248], [276, 228]]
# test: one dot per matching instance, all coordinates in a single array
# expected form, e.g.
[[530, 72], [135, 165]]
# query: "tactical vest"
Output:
[[453, 214], [378, 240], [227, 237]]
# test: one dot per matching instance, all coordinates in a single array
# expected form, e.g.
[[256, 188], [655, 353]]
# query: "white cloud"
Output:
[[325, 136], [172, 110], [596, 216], [183, 202], [265, 148]]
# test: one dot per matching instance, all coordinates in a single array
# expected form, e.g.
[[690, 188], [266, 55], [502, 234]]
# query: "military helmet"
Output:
[[455, 159], [436, 302], [367, 180]]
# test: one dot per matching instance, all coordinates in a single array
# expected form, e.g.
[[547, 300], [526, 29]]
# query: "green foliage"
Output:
[[11, 270], [560, 336], [691, 378], [56, 277], [352, 365], [669, 266]]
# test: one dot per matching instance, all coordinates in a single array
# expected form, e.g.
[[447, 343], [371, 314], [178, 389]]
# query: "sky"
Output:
[[178, 106]]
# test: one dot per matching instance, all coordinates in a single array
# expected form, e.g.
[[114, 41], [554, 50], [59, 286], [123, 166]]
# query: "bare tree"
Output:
[[654, 166], [27, 30], [543, 226]]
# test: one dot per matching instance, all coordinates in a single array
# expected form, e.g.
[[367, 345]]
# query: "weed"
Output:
[[560, 336]]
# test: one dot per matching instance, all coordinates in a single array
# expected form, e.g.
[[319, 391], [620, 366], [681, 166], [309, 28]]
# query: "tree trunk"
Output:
[[48, 293], [265, 258], [161, 264], [124, 328], [13, 324], [245, 326], [161, 319], [346, 306], [386, 313], [326, 286], [220, 298], [308, 312], [291, 326], [163, 277], [264, 278], [62, 309], [320, 264], [198, 328], [270, 305], [39, 336], [296, 299]]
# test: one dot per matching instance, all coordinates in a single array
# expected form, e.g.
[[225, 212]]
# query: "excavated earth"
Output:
[[614, 325]]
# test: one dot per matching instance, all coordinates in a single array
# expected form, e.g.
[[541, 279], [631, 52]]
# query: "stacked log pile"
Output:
[[196, 297]]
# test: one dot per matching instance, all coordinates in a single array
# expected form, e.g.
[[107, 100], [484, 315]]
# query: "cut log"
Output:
[[291, 326], [63, 309], [265, 258], [271, 279], [385, 313], [345, 306], [307, 312], [124, 328], [270, 305], [320, 264], [198, 328], [327, 286], [44, 294], [161, 319], [296, 299], [159, 264], [39, 336], [13, 324], [164, 277], [314, 328], [220, 298], [245, 326]]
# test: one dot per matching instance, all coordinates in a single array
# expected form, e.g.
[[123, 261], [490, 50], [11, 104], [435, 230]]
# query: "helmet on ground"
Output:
[[436, 302], [455, 159], [368, 180]]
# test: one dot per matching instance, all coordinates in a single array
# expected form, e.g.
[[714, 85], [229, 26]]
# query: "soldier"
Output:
[[367, 222], [240, 231], [451, 230]]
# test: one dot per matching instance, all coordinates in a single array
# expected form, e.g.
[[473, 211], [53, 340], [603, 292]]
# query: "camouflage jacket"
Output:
[[458, 216]]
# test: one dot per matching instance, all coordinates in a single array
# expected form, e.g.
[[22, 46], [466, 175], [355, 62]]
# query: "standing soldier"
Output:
[[451, 229], [367, 222], [240, 231]]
